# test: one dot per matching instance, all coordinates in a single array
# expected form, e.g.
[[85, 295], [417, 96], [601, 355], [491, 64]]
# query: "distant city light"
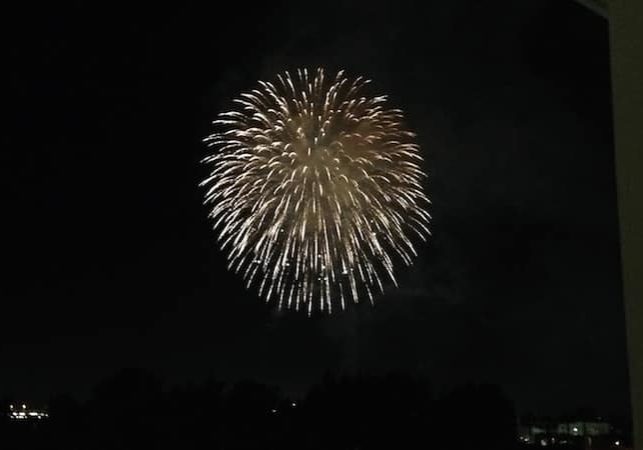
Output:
[[22, 415], [26, 413], [273, 410], [293, 404]]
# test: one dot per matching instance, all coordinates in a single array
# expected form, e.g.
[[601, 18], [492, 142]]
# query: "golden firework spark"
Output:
[[315, 190]]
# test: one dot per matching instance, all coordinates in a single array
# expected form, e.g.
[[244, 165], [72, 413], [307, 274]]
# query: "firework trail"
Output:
[[316, 190]]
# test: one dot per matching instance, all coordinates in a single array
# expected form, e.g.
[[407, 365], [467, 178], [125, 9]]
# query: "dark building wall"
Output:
[[626, 24]]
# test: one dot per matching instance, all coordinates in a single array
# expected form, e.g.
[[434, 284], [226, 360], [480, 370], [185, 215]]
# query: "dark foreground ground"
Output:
[[133, 410]]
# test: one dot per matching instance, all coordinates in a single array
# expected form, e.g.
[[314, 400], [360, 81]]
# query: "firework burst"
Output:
[[316, 190]]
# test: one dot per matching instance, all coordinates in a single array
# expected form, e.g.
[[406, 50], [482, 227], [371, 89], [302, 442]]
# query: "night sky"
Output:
[[110, 260]]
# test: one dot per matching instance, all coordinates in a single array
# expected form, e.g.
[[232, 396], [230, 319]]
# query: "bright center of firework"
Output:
[[315, 190]]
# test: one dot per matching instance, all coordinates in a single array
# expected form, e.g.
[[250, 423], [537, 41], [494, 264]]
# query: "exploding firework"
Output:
[[316, 190]]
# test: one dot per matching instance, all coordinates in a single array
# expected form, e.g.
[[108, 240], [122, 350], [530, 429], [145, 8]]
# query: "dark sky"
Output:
[[110, 260]]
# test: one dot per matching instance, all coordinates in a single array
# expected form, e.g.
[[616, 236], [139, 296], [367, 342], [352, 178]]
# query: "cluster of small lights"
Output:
[[315, 190], [544, 442], [31, 414], [578, 429], [26, 414], [293, 404]]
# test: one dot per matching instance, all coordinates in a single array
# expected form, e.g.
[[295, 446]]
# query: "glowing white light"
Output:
[[24, 406], [617, 443]]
